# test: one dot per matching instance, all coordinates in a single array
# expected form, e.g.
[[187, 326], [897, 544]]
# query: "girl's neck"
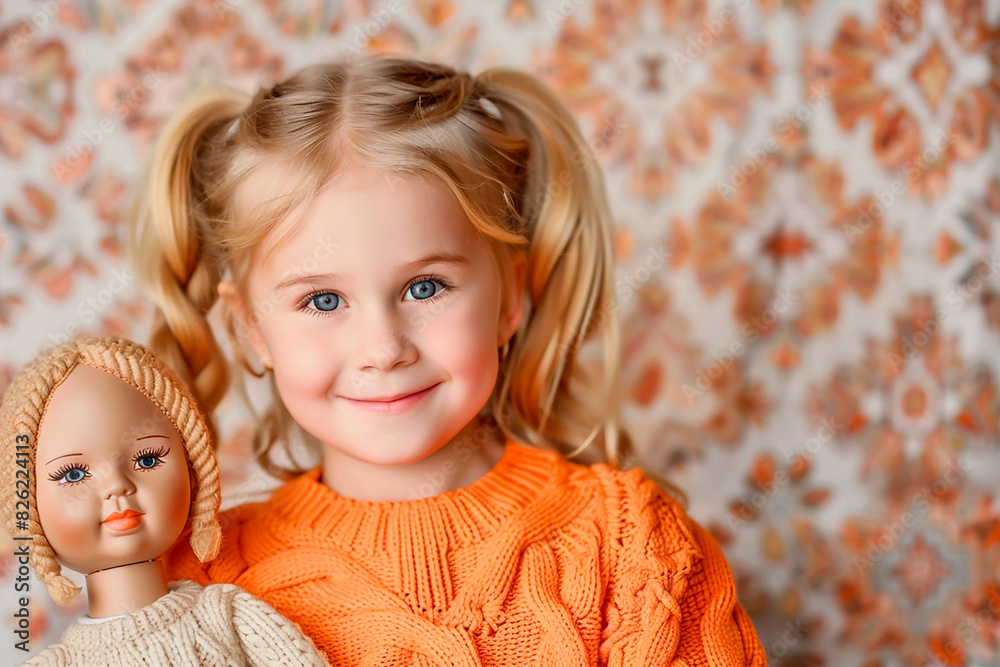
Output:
[[457, 464], [126, 588]]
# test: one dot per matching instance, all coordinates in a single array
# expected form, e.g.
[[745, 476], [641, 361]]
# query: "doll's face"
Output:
[[347, 310], [111, 474]]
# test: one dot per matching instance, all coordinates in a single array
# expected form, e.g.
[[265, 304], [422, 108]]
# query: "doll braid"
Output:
[[21, 414]]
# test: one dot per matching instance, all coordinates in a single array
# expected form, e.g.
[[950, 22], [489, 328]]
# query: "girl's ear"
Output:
[[512, 309], [246, 325]]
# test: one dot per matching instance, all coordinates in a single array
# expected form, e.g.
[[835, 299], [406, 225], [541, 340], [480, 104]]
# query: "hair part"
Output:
[[231, 171]]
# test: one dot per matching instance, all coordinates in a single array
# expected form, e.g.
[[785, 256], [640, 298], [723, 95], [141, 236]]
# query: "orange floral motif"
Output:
[[900, 72], [651, 78], [790, 266], [39, 81]]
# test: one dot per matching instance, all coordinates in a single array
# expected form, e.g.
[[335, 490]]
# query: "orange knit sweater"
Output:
[[539, 562]]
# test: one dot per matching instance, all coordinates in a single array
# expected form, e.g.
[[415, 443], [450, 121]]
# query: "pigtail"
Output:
[[550, 397], [170, 242]]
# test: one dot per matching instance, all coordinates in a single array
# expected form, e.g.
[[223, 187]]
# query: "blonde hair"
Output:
[[505, 146], [23, 409]]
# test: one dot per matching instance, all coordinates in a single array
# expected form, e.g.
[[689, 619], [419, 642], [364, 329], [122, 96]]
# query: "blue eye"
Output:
[[423, 289], [325, 301], [150, 459], [70, 474], [426, 288]]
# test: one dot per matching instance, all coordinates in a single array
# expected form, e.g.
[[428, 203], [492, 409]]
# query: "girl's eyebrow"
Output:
[[433, 258], [151, 436], [64, 456]]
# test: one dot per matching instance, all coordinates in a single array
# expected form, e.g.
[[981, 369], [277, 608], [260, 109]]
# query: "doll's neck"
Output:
[[126, 588]]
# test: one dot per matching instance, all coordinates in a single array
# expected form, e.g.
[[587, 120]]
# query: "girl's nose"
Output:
[[385, 343]]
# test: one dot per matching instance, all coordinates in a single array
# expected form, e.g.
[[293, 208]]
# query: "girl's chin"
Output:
[[386, 454]]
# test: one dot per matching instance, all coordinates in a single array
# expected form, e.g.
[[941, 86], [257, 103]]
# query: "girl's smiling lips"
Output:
[[123, 520], [394, 404]]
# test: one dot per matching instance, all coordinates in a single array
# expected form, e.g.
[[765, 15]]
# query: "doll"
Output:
[[120, 460]]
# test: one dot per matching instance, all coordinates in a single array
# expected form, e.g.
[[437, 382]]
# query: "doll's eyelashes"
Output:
[[150, 459], [74, 473], [71, 473]]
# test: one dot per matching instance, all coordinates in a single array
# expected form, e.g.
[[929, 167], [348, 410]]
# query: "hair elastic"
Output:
[[490, 108]]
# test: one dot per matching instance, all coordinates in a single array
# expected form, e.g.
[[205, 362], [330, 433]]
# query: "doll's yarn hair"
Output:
[[23, 409]]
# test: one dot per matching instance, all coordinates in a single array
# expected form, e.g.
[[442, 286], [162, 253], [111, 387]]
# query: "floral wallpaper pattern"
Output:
[[807, 206]]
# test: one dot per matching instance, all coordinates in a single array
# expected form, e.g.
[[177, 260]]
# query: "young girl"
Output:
[[415, 256]]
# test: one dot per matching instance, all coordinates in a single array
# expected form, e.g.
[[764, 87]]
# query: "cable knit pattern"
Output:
[[539, 562], [219, 625]]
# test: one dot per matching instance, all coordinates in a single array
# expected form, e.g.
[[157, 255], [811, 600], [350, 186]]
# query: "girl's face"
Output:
[[386, 290], [111, 474]]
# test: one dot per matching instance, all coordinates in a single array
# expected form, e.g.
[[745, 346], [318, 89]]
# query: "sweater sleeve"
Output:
[[270, 639], [671, 598], [180, 562]]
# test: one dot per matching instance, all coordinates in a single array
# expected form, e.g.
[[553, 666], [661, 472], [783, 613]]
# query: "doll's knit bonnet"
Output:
[[23, 408]]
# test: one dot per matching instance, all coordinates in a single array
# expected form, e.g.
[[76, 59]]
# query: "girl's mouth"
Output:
[[126, 520], [396, 406]]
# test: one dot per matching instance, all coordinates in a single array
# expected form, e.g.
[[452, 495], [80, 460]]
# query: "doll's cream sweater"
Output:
[[219, 625]]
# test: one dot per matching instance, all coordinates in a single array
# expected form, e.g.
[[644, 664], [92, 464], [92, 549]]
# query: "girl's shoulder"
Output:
[[635, 505], [668, 570], [180, 561]]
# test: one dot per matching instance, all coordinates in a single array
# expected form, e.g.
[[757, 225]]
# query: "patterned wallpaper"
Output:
[[807, 205]]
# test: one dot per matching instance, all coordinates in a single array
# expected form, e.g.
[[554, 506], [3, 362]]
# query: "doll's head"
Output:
[[233, 180], [120, 459]]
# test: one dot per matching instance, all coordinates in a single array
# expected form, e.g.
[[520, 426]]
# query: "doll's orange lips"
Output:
[[123, 520]]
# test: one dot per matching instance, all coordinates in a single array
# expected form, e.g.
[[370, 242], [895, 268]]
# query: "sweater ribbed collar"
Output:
[[466, 514]]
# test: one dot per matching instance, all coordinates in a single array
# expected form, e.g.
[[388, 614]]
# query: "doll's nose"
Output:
[[117, 485]]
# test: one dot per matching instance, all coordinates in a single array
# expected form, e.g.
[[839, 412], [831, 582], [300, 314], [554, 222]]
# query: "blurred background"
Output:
[[807, 208]]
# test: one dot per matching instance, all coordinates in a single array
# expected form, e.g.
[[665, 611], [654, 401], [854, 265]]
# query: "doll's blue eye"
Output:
[[149, 459], [148, 462], [72, 473]]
